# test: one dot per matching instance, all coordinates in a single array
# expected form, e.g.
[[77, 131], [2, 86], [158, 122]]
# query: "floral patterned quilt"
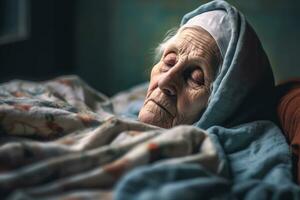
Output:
[[60, 139]]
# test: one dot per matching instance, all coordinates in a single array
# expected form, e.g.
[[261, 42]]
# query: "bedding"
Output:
[[60, 140]]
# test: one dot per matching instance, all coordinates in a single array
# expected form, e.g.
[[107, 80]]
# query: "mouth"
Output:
[[161, 106]]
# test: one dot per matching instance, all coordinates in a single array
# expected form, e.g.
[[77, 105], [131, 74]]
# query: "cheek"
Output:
[[191, 103]]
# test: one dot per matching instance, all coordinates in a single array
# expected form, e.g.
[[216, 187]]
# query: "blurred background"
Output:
[[110, 43]]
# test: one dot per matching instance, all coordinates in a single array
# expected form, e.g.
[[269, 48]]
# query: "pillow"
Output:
[[288, 111]]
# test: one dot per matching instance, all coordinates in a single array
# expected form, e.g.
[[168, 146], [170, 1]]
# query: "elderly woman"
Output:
[[181, 81]]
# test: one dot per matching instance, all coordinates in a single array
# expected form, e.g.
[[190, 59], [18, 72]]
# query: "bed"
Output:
[[61, 139]]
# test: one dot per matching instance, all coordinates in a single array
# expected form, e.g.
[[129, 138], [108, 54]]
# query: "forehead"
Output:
[[193, 39]]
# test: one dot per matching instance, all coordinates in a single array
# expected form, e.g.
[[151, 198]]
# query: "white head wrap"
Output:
[[216, 24]]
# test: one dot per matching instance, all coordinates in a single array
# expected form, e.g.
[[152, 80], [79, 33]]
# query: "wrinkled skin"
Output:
[[180, 82]]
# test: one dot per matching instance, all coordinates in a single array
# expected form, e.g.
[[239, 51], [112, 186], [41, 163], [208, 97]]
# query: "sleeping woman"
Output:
[[206, 128]]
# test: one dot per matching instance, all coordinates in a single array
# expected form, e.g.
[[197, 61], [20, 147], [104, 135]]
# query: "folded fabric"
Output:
[[58, 141]]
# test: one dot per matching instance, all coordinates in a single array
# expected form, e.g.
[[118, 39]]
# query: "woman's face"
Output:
[[180, 82]]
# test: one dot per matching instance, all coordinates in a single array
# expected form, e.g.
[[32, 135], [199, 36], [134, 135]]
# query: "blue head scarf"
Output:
[[244, 89]]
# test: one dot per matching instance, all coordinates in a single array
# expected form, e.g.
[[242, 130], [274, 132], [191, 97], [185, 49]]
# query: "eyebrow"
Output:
[[170, 47]]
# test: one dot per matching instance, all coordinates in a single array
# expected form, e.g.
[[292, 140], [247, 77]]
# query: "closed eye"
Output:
[[195, 77], [170, 59]]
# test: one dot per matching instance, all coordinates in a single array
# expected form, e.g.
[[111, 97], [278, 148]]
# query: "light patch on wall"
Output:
[[14, 20]]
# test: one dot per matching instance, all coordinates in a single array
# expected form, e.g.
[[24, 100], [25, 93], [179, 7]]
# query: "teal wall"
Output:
[[115, 40], [277, 25]]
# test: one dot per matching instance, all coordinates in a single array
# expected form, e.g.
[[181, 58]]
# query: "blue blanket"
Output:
[[255, 161]]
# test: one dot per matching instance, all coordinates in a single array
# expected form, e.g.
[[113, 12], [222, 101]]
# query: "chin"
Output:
[[150, 118]]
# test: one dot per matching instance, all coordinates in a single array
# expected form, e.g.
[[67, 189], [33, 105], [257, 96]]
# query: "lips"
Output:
[[163, 107]]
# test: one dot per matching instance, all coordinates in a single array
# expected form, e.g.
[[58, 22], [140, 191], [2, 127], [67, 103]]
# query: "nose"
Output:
[[167, 84]]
